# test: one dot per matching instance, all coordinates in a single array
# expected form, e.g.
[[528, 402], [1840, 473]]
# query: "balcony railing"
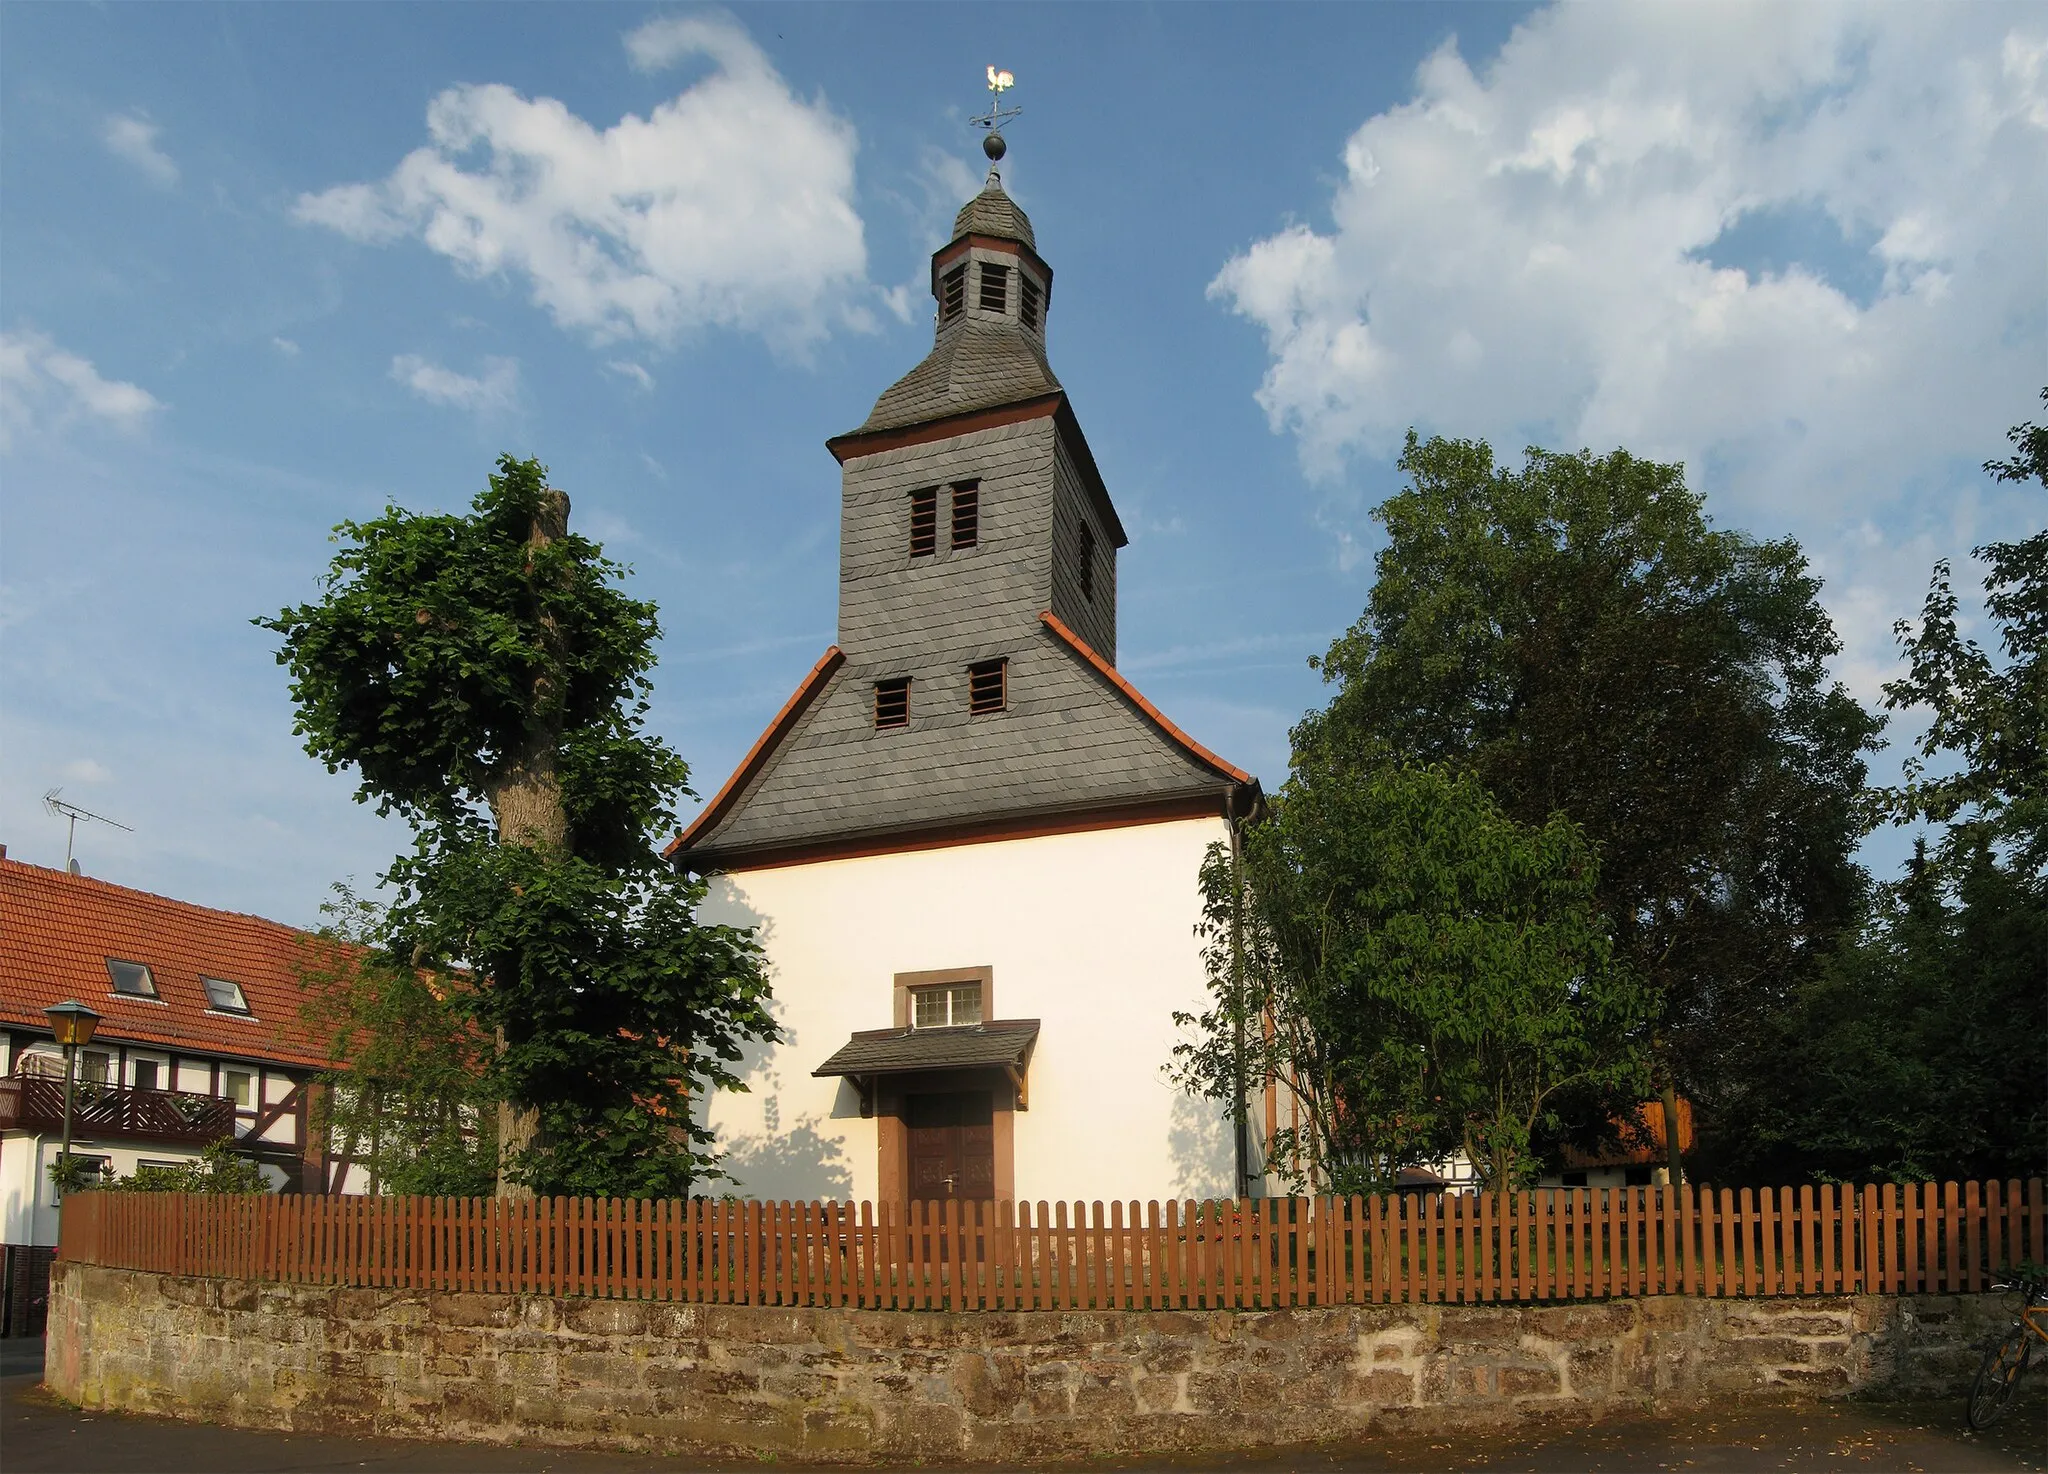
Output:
[[112, 1113]]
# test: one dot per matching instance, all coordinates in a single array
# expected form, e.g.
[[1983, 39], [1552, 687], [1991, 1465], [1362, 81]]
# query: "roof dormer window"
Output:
[[995, 287], [953, 293], [131, 978], [1031, 300]]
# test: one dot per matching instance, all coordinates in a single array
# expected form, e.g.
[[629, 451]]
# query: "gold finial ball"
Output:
[[994, 146]]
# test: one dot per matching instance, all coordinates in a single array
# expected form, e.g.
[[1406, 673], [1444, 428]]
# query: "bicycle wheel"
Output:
[[1996, 1378]]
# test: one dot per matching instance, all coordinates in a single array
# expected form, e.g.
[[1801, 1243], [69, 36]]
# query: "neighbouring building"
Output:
[[200, 1039], [970, 845]]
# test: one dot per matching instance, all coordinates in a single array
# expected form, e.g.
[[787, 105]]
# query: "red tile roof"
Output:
[[57, 932]]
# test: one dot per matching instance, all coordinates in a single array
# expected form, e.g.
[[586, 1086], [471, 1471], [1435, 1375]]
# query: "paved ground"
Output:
[[38, 1435]]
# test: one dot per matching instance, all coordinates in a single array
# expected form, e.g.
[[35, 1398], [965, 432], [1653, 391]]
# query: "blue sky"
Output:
[[264, 268]]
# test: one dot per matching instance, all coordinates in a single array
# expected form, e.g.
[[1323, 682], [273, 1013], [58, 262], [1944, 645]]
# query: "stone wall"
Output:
[[853, 1385]]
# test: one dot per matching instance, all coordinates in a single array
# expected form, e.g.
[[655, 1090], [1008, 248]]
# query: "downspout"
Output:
[[1237, 1092]]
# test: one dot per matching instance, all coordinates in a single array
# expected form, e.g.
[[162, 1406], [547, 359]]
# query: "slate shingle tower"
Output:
[[973, 689]]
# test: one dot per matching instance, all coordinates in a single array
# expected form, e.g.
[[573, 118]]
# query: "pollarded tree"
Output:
[[1576, 635], [486, 677]]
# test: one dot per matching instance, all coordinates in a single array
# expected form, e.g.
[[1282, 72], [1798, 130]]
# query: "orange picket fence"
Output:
[[1547, 1244]]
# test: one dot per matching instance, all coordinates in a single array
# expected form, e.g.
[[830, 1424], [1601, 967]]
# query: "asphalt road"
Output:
[[39, 1435]]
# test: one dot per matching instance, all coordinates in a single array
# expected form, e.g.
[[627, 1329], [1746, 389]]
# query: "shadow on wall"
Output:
[[1198, 1141], [798, 1165]]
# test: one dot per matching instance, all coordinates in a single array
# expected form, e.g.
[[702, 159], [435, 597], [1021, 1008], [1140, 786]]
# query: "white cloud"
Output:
[[84, 770], [133, 139], [1524, 253], [730, 205], [1519, 252], [626, 369], [45, 389], [285, 346], [497, 389]]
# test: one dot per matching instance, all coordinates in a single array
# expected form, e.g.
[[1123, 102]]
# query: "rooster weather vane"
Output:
[[991, 122]]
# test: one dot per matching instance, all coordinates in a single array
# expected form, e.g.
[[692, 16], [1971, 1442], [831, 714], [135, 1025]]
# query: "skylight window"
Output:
[[924, 522], [224, 996], [131, 978], [988, 686], [892, 703], [995, 287]]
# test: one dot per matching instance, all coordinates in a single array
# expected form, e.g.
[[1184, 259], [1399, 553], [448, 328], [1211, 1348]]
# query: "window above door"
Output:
[[946, 1005]]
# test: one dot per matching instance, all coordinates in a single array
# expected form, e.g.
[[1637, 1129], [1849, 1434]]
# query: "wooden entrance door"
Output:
[[952, 1145]]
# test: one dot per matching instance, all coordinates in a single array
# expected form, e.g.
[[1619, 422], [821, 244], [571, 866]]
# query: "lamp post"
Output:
[[73, 1023]]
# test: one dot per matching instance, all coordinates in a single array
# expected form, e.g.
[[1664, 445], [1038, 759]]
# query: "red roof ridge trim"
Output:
[[792, 709], [1109, 672]]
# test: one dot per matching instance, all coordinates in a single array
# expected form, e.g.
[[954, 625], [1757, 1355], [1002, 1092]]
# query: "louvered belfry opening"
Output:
[[988, 686], [892, 703], [924, 522], [953, 293], [995, 287], [1030, 300], [1087, 566], [966, 514]]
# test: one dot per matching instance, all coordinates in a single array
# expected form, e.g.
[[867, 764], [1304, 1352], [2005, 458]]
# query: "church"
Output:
[[970, 846]]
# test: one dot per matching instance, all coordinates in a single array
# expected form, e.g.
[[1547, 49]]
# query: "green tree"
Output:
[[408, 1095], [1989, 722], [1424, 973], [1577, 636], [486, 677]]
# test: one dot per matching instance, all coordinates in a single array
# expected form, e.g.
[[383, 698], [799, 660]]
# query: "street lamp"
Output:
[[72, 1022]]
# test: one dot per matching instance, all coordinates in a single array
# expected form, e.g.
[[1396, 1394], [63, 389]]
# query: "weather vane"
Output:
[[991, 122]]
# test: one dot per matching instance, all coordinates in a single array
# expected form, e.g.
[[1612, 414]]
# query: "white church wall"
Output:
[[1090, 933]]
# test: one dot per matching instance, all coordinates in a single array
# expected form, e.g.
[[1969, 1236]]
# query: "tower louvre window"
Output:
[[988, 685], [1087, 562], [966, 514], [953, 293], [924, 522], [1030, 299], [995, 288], [892, 703]]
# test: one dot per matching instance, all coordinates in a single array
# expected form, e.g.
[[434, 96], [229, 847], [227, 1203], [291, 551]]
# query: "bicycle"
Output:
[[2007, 1358]]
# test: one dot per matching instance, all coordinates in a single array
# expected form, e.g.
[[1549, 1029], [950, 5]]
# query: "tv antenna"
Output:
[[54, 802], [991, 122]]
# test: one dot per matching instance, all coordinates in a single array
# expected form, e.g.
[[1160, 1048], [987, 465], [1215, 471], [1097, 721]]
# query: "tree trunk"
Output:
[[1671, 1131], [526, 801]]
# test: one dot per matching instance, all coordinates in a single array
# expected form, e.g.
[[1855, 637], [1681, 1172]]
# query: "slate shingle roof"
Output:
[[58, 930], [998, 1044], [994, 213], [978, 364], [1078, 738]]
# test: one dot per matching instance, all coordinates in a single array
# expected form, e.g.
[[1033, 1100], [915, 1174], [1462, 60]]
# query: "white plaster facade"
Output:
[[1092, 933]]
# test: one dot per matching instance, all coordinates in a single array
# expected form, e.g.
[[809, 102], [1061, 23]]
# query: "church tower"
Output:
[[970, 844]]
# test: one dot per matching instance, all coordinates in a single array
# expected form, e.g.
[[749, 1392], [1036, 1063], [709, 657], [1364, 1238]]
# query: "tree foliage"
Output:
[[1989, 719], [1921, 1049], [1576, 635], [1420, 973], [407, 1096], [487, 679]]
